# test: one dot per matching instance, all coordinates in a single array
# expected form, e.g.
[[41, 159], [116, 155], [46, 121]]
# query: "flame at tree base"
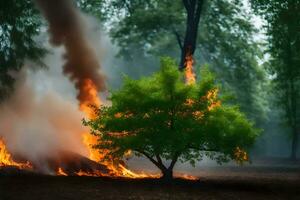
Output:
[[88, 102], [190, 76]]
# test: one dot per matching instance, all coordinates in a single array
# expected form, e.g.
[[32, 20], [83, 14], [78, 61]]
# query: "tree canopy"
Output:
[[283, 36], [162, 118], [19, 24]]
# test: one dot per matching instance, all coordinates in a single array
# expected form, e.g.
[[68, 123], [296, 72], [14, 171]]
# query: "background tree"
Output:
[[19, 24], [283, 31], [145, 30], [162, 118]]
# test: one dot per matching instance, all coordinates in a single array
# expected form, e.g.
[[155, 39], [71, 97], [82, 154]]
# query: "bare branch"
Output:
[[174, 160], [199, 10], [186, 4], [178, 38], [156, 163]]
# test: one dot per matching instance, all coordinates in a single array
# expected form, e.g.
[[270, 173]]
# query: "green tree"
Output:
[[163, 119], [19, 24], [283, 31]]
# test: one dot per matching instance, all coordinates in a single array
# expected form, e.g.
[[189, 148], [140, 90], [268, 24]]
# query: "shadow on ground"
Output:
[[36, 187]]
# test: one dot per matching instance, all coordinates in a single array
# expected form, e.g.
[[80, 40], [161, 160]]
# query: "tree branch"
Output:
[[158, 158], [186, 4], [199, 11], [178, 39], [174, 160], [157, 163]]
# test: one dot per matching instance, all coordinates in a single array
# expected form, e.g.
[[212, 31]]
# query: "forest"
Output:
[[184, 96]]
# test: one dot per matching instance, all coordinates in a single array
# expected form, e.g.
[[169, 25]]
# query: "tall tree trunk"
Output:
[[294, 144], [194, 10], [167, 175], [292, 97], [294, 120], [168, 172]]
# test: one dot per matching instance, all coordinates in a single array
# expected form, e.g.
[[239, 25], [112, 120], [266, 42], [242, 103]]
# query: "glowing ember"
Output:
[[190, 76], [240, 155], [60, 172], [212, 98], [94, 173], [186, 176], [130, 174], [6, 159]]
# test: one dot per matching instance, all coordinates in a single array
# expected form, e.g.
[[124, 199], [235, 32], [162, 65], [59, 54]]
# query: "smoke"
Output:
[[41, 119], [66, 28], [37, 123]]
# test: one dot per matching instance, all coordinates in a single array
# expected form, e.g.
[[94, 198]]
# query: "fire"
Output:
[[186, 177], [94, 173], [190, 76], [60, 172], [127, 173], [91, 98], [240, 155], [90, 91], [6, 158], [212, 98]]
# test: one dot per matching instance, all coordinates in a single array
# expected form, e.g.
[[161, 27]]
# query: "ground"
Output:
[[36, 187], [262, 179]]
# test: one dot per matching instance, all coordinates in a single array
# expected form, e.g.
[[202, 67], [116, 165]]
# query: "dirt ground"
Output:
[[36, 187]]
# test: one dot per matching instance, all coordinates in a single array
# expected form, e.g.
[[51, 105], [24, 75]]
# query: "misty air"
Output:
[[184, 99]]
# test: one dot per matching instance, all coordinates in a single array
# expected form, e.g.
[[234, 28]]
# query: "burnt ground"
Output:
[[232, 186]]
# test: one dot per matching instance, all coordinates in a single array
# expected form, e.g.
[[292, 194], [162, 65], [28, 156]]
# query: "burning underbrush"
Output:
[[71, 164], [7, 160], [66, 164]]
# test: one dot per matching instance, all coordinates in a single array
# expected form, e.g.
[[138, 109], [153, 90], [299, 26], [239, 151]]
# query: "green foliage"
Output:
[[19, 23], [94, 7], [162, 117], [282, 29], [283, 45]]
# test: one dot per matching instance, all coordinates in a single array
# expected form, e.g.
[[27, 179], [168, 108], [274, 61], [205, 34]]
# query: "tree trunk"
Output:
[[294, 114], [194, 9], [167, 172], [294, 144], [167, 175]]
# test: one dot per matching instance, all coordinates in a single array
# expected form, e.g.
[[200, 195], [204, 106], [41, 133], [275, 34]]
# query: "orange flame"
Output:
[[130, 174], [190, 76], [240, 155], [91, 98], [94, 173], [86, 106], [186, 176], [6, 158], [212, 99], [60, 172]]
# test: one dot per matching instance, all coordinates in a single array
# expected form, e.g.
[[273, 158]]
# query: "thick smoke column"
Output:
[[66, 28]]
